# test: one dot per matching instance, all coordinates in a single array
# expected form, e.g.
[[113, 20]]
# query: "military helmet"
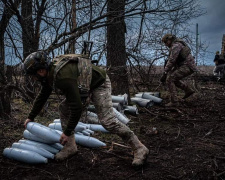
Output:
[[35, 61], [168, 37]]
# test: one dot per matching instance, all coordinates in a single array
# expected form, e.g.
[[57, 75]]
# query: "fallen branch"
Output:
[[151, 112], [121, 145], [221, 158], [172, 109], [220, 174]]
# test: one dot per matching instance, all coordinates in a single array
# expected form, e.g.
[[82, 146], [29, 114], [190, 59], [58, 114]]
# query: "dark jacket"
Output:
[[219, 59]]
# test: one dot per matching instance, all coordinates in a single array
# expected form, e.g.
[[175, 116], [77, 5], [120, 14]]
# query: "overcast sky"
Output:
[[211, 27]]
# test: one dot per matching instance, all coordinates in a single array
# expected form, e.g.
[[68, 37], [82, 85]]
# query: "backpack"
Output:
[[84, 69], [184, 52]]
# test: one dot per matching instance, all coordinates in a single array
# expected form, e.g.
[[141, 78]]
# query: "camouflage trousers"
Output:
[[174, 79], [219, 70], [102, 100]]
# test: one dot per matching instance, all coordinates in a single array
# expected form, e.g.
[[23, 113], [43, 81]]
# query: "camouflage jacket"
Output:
[[175, 60]]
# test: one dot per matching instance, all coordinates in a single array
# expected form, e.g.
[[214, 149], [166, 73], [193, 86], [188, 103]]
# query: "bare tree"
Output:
[[144, 32], [5, 106], [52, 26], [73, 26], [116, 52]]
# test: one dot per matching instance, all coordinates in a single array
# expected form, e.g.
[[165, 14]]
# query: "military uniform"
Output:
[[219, 70], [70, 109], [67, 82], [177, 68], [67, 79]]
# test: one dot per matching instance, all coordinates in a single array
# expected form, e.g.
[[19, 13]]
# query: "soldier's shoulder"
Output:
[[177, 45]]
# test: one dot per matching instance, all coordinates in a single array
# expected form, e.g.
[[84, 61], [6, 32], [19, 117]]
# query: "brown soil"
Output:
[[189, 144]]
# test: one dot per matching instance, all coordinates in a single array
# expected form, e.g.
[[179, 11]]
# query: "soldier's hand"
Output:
[[63, 139], [163, 78], [26, 122]]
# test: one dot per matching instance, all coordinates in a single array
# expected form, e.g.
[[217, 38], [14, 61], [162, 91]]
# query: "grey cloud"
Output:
[[212, 26]]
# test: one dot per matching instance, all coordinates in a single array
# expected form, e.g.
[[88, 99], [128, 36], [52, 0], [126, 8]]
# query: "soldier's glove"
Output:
[[163, 78]]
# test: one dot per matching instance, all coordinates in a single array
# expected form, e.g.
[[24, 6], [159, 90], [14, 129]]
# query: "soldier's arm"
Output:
[[175, 50], [70, 89], [40, 101]]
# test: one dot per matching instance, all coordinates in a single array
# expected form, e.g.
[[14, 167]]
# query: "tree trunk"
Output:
[[74, 26], [116, 52], [28, 38], [5, 100], [31, 33]]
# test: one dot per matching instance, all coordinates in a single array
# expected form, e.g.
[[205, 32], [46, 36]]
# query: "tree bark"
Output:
[[116, 52], [5, 100], [30, 32], [72, 47], [29, 44]]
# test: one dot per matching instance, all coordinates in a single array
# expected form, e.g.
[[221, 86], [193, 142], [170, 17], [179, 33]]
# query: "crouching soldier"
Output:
[[75, 77], [180, 64]]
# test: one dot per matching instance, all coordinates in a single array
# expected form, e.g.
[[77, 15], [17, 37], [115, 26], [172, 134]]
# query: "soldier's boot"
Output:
[[140, 151], [68, 150], [188, 93]]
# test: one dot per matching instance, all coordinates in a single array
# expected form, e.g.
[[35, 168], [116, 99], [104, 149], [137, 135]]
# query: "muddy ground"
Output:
[[188, 144]]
